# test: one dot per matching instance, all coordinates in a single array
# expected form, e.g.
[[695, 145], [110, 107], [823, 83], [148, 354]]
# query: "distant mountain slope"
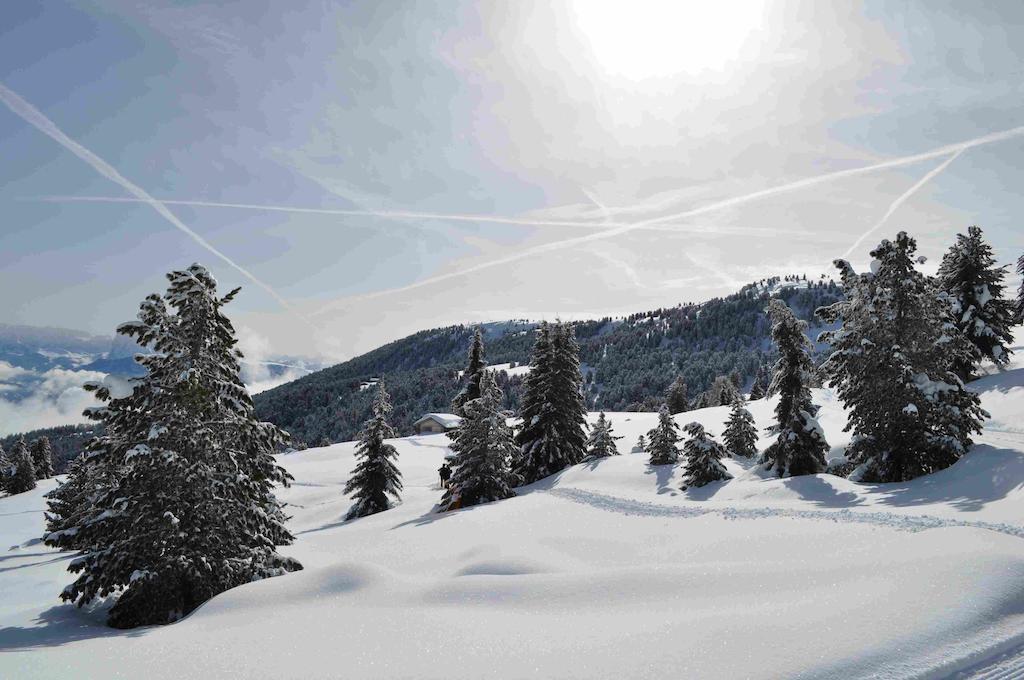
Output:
[[628, 362]]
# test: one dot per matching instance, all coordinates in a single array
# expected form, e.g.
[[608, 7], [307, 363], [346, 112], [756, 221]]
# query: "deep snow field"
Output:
[[607, 570]]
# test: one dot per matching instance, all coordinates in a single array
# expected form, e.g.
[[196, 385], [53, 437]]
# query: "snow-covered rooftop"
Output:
[[446, 420]]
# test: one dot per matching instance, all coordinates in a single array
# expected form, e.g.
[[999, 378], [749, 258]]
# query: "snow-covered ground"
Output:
[[605, 571]]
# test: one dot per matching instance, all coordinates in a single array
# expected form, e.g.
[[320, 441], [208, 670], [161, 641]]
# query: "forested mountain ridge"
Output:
[[628, 362]]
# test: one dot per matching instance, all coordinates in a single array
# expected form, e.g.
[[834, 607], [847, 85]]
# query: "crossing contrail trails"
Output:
[[405, 215], [620, 229], [902, 198], [37, 119]]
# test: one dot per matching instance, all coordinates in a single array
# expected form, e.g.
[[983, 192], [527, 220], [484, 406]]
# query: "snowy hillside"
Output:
[[607, 570]]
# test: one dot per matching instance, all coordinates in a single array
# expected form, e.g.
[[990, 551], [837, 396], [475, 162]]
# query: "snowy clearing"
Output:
[[606, 570]]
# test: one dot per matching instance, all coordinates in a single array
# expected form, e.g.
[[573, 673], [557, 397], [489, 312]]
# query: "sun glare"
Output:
[[648, 39]]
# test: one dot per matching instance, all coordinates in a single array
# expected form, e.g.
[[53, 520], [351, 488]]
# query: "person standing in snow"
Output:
[[446, 473]]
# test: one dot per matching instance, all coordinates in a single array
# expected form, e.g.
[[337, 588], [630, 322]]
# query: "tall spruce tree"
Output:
[[24, 477], [484, 449], [663, 440], [476, 366], [892, 364], [740, 435], [601, 442], [800, 447], [375, 479], [553, 413], [42, 458], [676, 397], [189, 509], [703, 458], [974, 284]]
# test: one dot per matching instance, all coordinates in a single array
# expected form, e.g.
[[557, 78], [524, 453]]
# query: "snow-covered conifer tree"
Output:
[[189, 511], [740, 435], [42, 458], [800, 447], [375, 479], [68, 504], [484, 448], [553, 413], [676, 398], [974, 284], [1020, 292], [601, 442], [641, 445], [663, 439], [703, 458], [759, 389], [5, 468], [476, 366], [24, 477], [892, 364]]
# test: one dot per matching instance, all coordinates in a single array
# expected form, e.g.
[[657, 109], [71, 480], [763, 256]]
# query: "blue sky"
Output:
[[582, 112]]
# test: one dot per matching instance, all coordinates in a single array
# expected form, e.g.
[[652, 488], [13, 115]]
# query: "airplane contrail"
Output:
[[405, 214], [38, 119], [956, 148], [902, 198]]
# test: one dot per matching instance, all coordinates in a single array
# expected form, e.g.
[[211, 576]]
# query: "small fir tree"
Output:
[[484, 448], [800, 447], [740, 435], [476, 366], [375, 479], [601, 443], [24, 477], [553, 412], [892, 364], [641, 445], [974, 284], [187, 509], [42, 458], [676, 398], [68, 504], [759, 389], [703, 458], [663, 439]]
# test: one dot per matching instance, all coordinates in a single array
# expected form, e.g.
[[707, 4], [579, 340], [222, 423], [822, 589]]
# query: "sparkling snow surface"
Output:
[[605, 571]]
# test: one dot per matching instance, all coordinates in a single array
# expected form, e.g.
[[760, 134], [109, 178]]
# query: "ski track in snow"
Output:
[[914, 523]]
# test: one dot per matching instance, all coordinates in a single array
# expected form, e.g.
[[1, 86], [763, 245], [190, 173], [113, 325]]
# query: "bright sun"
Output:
[[646, 39]]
